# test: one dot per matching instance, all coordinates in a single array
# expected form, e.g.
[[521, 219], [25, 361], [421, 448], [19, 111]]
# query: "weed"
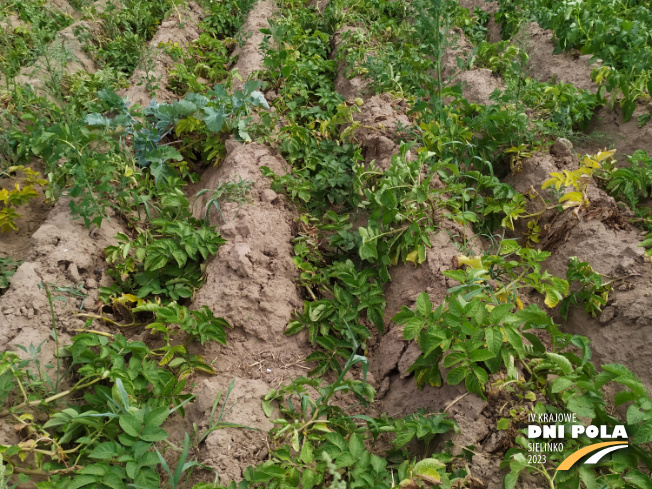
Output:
[[8, 268], [215, 424], [233, 191], [182, 465], [148, 78]]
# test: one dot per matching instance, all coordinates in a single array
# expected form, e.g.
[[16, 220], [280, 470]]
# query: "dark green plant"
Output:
[[7, 269], [335, 323], [632, 183], [587, 288], [167, 259], [615, 32]]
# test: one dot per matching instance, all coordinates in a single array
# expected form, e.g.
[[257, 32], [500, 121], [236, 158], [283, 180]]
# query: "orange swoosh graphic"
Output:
[[571, 459]]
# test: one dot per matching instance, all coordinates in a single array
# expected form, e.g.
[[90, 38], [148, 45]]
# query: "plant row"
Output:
[[617, 33], [104, 428], [482, 332]]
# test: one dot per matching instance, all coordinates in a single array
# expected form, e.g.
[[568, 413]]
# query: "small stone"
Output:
[[30, 313], [89, 304], [243, 229], [271, 96], [23, 310], [495, 442], [268, 195], [106, 281], [384, 388], [266, 307], [562, 147], [408, 358], [9, 310], [73, 273], [607, 314], [91, 283]]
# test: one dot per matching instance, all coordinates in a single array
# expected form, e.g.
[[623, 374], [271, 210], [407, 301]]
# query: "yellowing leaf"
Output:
[[430, 475], [475, 262], [589, 163], [412, 257], [603, 155], [555, 180], [572, 196], [519, 303], [552, 298], [322, 427]]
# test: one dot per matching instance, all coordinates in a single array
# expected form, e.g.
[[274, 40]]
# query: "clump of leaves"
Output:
[[166, 260], [111, 179], [401, 212], [12, 198], [126, 398], [234, 191], [22, 44], [631, 183], [577, 179], [590, 289], [124, 30], [204, 63], [7, 269], [335, 323], [476, 337]]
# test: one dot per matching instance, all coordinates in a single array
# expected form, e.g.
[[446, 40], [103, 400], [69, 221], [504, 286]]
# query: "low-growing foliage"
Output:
[[616, 33], [7, 269], [592, 292], [22, 192]]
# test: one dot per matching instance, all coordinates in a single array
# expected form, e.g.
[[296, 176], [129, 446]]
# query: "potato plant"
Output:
[[617, 33]]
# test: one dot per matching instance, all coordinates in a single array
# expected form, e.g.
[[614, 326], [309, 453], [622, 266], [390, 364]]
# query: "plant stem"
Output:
[[100, 333], [110, 321], [20, 384], [55, 333], [38, 402]]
